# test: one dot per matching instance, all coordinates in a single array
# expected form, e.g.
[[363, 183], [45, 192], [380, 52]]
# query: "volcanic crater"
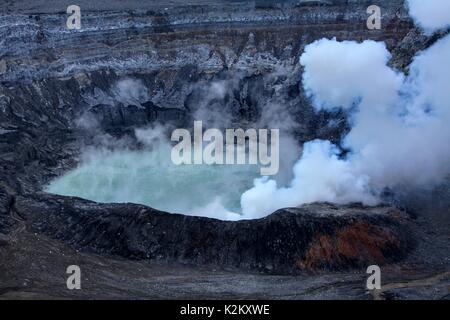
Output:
[[61, 94]]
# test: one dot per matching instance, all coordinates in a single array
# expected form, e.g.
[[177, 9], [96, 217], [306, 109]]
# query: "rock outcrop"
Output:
[[151, 36], [318, 236]]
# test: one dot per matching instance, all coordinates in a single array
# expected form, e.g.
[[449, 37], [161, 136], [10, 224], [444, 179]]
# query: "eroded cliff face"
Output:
[[52, 77], [36, 43]]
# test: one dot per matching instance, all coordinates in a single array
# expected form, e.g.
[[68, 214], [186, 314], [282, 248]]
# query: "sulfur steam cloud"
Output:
[[430, 14], [399, 137]]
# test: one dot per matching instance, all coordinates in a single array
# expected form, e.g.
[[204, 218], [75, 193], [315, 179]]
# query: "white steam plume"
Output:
[[431, 15], [399, 136], [130, 91]]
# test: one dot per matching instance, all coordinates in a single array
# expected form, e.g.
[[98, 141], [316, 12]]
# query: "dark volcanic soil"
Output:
[[33, 266], [51, 78]]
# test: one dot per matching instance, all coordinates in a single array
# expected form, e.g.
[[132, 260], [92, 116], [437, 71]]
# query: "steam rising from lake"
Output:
[[150, 178], [399, 139]]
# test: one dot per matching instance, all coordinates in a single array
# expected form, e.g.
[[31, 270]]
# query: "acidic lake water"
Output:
[[150, 178]]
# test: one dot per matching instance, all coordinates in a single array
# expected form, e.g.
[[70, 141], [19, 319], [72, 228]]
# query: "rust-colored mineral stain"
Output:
[[365, 241], [356, 242], [322, 247]]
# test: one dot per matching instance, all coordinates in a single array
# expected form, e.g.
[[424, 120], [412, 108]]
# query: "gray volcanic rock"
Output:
[[141, 36], [318, 236], [6, 201], [413, 42], [112, 118]]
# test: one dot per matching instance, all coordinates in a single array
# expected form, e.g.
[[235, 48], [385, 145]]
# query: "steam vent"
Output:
[[357, 150]]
